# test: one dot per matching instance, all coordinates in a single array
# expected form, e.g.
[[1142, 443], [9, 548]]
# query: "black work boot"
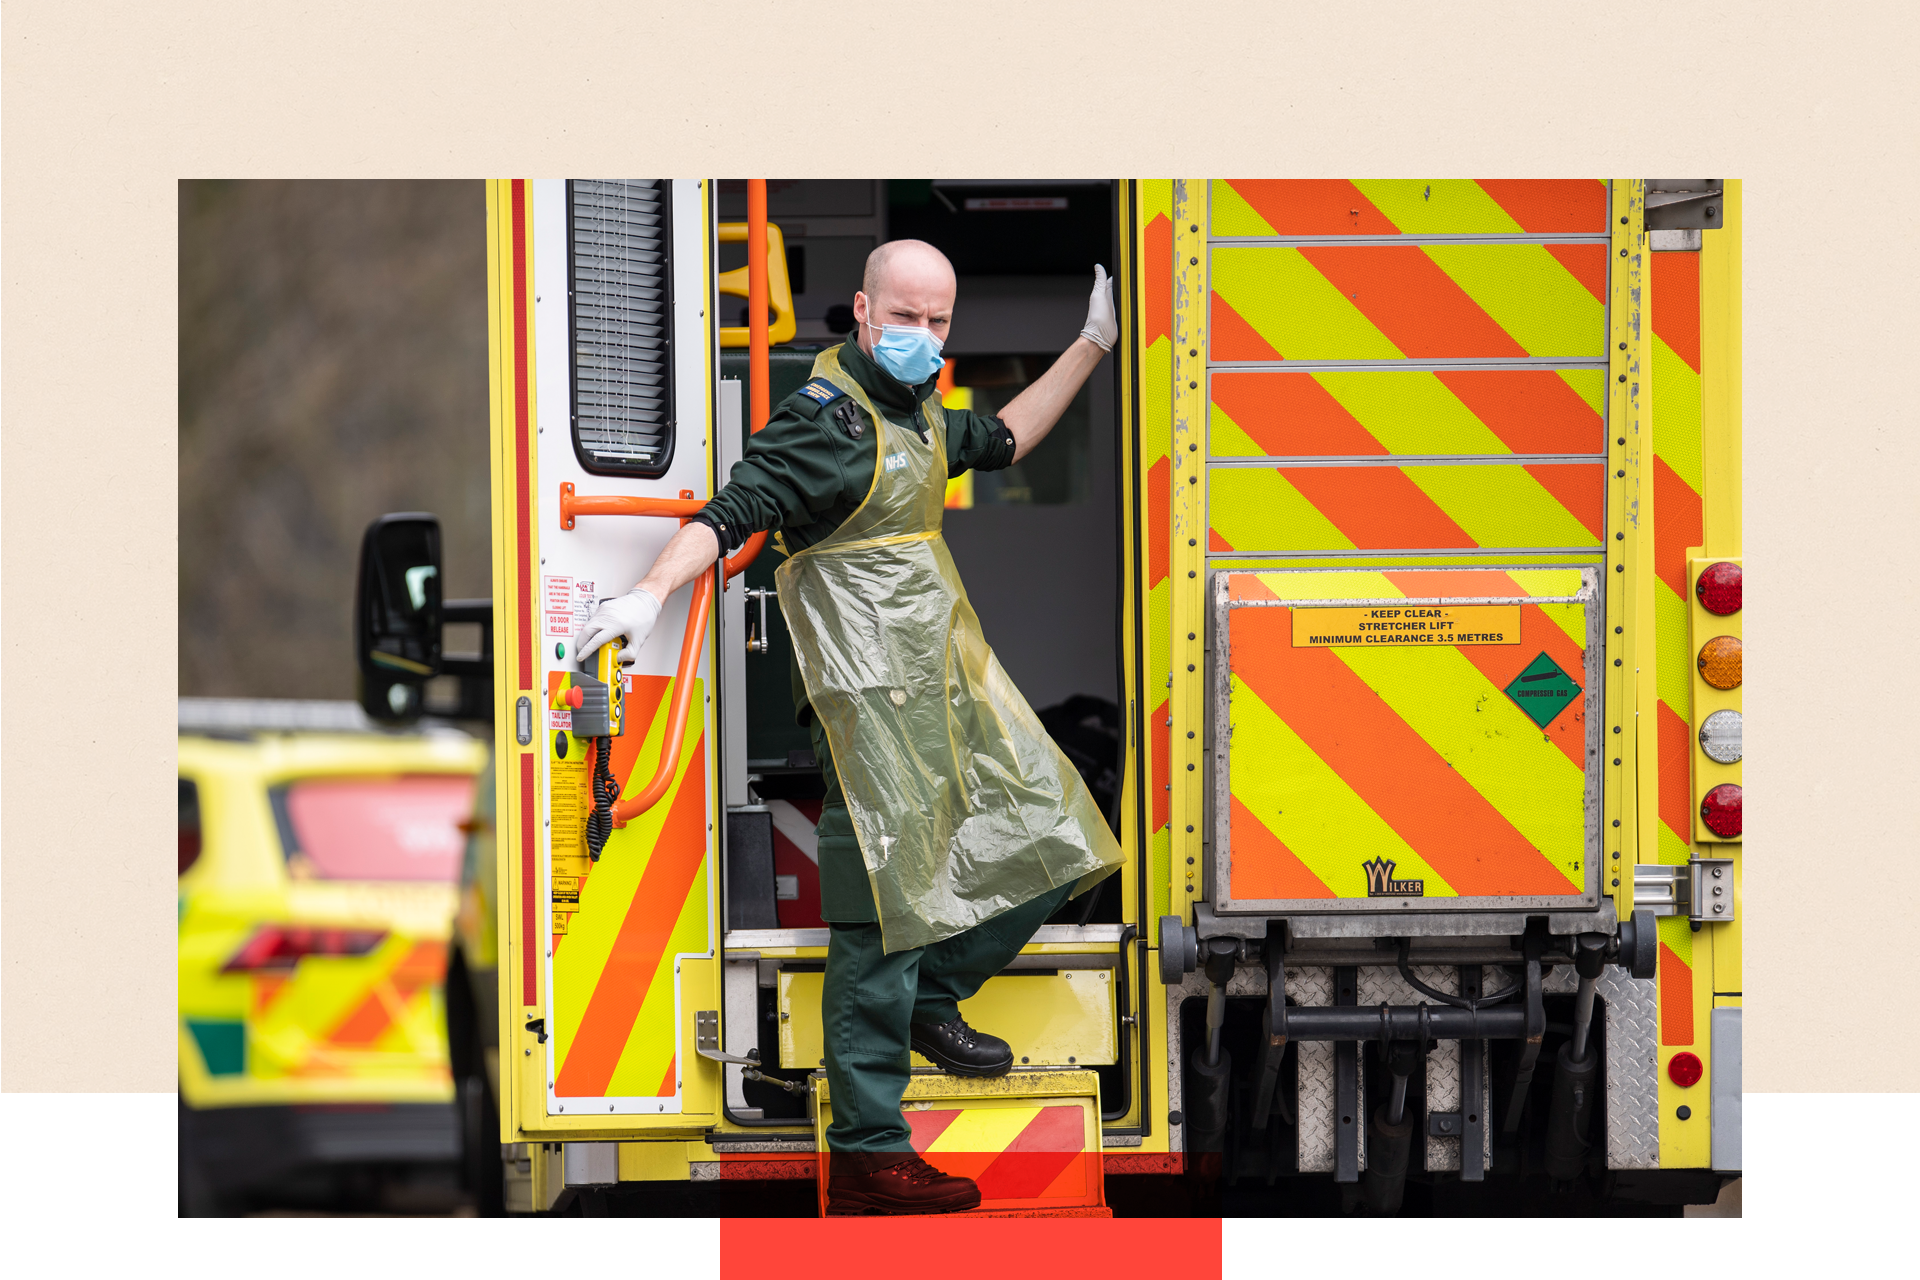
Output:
[[958, 1049], [864, 1183]]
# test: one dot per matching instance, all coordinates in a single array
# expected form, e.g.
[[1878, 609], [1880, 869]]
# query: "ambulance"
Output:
[[318, 863], [1387, 576]]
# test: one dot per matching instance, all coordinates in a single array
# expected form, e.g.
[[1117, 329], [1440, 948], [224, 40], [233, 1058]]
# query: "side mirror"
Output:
[[397, 615]]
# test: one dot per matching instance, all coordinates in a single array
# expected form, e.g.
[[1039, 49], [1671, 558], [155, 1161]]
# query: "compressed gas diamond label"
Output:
[[1543, 690]]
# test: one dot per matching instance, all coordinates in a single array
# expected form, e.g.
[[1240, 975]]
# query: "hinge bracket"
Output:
[[706, 1042], [1685, 204], [1701, 890]]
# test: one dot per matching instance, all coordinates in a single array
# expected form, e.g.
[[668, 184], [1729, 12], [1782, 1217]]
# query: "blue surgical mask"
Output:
[[908, 352]]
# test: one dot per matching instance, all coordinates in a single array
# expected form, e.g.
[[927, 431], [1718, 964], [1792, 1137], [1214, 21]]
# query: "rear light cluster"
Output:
[[1720, 663], [280, 947]]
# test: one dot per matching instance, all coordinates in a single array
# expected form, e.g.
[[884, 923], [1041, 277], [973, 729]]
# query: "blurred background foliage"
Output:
[[333, 366]]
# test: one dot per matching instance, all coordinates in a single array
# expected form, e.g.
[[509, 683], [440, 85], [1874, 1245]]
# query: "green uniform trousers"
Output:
[[870, 1000]]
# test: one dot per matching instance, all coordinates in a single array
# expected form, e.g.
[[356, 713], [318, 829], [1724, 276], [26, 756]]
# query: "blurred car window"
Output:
[[189, 824], [388, 828]]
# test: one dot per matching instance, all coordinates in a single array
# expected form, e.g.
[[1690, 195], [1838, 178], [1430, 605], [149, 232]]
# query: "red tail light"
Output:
[[1684, 1069], [1719, 588], [283, 946], [1720, 810]]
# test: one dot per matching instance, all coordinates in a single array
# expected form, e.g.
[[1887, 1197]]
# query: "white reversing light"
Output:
[[1720, 737]]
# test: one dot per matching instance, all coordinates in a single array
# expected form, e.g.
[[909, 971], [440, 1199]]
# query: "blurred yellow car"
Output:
[[319, 864]]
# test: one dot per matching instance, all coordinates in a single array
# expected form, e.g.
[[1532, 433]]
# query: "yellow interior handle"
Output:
[[779, 288]]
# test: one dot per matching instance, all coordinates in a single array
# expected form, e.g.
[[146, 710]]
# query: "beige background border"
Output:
[[107, 105]]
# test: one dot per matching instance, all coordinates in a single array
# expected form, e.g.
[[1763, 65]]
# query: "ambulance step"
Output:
[[1031, 1139]]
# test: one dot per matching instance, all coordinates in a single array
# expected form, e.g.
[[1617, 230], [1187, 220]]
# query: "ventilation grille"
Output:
[[620, 261]]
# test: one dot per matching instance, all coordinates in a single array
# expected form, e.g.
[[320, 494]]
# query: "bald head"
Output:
[[909, 260], [907, 282]]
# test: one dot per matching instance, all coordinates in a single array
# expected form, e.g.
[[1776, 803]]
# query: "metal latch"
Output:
[[706, 1042], [1701, 890], [758, 640]]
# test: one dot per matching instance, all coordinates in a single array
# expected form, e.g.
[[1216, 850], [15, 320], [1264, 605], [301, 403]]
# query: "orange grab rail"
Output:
[[631, 807], [695, 638], [692, 641]]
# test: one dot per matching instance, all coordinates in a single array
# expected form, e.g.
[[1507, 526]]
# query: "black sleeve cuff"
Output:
[[998, 455], [722, 533]]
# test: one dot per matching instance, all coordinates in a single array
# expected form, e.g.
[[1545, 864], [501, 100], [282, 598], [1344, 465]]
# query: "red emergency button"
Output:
[[1683, 1069], [575, 696]]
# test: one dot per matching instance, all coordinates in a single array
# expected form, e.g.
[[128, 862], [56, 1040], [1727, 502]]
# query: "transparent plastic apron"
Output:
[[962, 804]]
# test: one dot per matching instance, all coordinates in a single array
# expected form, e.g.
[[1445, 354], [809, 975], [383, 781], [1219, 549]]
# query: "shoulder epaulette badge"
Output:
[[822, 390], [849, 418]]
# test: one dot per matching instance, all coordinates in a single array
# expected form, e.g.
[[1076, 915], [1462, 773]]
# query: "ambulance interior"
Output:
[[1038, 545]]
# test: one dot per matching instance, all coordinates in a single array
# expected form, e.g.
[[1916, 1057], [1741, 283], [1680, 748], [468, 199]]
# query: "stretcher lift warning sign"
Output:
[[1406, 625]]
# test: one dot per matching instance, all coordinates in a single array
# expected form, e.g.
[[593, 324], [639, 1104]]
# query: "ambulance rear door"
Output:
[[603, 362]]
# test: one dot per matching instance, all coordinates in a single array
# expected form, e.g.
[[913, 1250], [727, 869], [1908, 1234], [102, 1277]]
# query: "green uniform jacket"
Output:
[[806, 471], [802, 475]]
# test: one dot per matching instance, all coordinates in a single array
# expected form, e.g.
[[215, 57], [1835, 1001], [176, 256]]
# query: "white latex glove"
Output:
[[1103, 328], [631, 615]]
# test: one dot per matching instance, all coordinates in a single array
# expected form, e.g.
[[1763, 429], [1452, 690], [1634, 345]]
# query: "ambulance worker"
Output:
[[952, 826]]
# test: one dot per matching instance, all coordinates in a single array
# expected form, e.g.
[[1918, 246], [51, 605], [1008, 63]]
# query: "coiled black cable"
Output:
[[1484, 1002], [605, 791]]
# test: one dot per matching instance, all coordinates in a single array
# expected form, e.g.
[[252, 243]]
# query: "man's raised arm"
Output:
[[1032, 413]]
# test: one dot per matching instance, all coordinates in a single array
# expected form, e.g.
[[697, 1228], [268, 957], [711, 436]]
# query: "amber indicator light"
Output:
[[1720, 662]]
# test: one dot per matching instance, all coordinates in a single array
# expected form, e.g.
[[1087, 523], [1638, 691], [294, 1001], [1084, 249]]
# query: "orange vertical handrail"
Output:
[[759, 365], [757, 294], [571, 505], [626, 810]]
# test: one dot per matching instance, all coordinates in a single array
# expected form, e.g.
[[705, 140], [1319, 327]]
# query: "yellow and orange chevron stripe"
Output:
[[641, 905], [1422, 762], [1407, 206], [1400, 302], [1373, 301], [375, 1017], [1677, 525], [1156, 466], [1031, 1153], [1475, 346], [1409, 507], [1018, 1154], [1330, 413]]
